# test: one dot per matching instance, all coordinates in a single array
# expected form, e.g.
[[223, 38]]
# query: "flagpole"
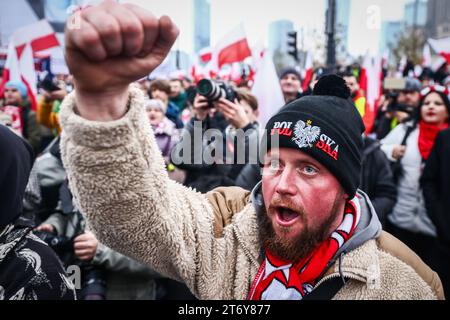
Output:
[[330, 31]]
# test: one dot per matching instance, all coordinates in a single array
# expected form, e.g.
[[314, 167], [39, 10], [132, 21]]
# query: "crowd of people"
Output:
[[402, 166]]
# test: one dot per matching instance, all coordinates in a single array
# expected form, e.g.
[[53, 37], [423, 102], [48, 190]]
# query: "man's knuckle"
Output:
[[89, 38], [131, 28], [110, 29]]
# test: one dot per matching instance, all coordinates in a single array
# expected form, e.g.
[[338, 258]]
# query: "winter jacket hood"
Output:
[[16, 161]]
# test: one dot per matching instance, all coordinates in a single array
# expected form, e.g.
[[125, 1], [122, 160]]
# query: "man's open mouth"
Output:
[[285, 216]]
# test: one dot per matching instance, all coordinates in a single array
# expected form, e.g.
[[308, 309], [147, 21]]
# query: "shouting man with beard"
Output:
[[304, 226]]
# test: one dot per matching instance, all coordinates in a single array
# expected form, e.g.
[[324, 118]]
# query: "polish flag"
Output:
[[198, 71], [39, 35], [19, 65], [370, 82], [21, 69], [309, 69], [205, 55], [233, 47], [442, 47], [267, 90]]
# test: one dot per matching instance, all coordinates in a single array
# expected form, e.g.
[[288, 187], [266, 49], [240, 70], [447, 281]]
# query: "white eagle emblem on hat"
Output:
[[305, 134]]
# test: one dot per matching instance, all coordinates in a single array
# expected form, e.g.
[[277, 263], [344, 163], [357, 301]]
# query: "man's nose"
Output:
[[286, 182]]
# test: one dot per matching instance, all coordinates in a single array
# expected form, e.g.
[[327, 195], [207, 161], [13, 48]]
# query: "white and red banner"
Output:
[[442, 47], [19, 64], [267, 89], [233, 47], [371, 83], [205, 55], [309, 69]]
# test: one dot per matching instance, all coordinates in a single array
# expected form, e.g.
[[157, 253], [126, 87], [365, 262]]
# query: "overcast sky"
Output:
[[257, 14]]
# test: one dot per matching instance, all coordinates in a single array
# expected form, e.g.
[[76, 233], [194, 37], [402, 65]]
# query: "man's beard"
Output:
[[303, 244]]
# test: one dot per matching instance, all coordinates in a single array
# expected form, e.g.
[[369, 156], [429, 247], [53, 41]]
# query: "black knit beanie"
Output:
[[326, 126]]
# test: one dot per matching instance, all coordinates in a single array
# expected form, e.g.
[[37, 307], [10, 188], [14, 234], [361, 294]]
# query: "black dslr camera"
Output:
[[394, 105], [215, 90]]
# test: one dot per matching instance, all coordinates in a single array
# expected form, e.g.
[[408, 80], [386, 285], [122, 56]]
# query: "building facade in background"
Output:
[[390, 30], [342, 23], [202, 24], [416, 13], [438, 19], [278, 35]]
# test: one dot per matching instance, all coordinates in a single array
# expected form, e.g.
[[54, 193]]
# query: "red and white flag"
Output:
[[371, 82], [205, 55], [442, 47], [267, 90], [309, 69], [233, 47], [19, 64]]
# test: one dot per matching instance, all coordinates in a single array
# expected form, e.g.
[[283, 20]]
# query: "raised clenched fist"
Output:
[[114, 45]]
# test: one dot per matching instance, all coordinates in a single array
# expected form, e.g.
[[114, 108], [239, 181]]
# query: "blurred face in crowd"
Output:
[[411, 98], [155, 115], [290, 84], [175, 88], [433, 110], [251, 114], [296, 221], [12, 96], [353, 85], [161, 95]]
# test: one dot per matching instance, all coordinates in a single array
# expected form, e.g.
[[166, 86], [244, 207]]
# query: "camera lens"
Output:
[[210, 90], [205, 87]]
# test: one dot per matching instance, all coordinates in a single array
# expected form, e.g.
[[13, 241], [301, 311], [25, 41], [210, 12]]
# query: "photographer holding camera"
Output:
[[220, 107], [398, 105]]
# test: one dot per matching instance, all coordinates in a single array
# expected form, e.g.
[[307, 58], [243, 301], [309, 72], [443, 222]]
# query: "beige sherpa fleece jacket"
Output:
[[210, 242]]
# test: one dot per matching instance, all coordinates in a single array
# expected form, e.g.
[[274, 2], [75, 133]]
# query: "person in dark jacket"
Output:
[[436, 190], [29, 269], [377, 179], [228, 119]]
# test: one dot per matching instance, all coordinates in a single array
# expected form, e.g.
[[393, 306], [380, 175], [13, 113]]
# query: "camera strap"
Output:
[[409, 129]]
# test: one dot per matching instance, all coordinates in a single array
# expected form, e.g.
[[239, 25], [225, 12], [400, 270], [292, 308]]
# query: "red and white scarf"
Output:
[[280, 280]]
